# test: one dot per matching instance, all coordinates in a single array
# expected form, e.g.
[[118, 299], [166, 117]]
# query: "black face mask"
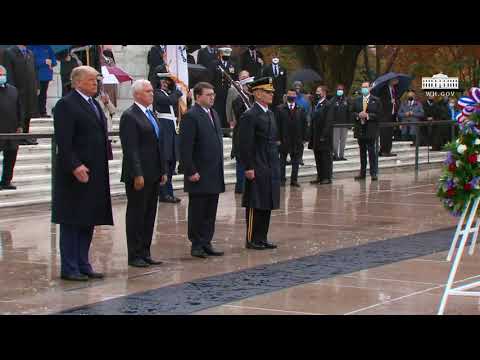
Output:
[[410, 98], [252, 47], [291, 99], [225, 58]]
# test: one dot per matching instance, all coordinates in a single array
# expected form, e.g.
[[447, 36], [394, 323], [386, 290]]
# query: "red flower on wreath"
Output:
[[451, 192], [467, 187], [472, 159], [452, 167]]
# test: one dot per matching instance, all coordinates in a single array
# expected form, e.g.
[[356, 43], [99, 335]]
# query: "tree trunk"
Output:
[[379, 54], [368, 72]]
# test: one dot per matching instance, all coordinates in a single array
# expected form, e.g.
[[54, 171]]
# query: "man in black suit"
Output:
[[279, 75], [390, 99], [81, 197], [221, 83], [143, 170], [201, 149], [20, 64], [10, 122], [252, 61], [165, 104], [292, 132], [207, 55], [321, 135], [259, 155], [366, 112]]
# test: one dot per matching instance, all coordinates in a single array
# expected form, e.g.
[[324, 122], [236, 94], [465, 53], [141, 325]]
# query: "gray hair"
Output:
[[139, 85]]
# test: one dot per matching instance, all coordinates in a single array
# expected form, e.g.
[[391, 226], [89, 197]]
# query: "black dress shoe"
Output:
[[374, 177], [94, 275], [80, 277], [8, 187], [325, 182], [295, 184], [167, 199], [140, 263], [360, 177], [343, 159], [150, 261], [32, 142], [268, 245], [211, 251], [200, 253], [315, 182], [255, 246], [177, 200]]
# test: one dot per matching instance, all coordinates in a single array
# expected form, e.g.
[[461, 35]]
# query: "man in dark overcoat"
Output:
[[201, 153], [259, 155], [321, 137], [81, 194], [11, 121], [292, 132], [366, 113]]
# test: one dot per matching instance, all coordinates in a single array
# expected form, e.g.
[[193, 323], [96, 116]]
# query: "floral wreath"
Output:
[[460, 179]]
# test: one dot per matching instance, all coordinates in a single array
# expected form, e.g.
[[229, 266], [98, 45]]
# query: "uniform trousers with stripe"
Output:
[[258, 222]]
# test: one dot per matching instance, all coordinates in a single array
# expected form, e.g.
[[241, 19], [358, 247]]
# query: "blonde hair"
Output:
[[79, 72]]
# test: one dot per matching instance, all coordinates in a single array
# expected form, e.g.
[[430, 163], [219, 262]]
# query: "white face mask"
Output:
[[275, 60]]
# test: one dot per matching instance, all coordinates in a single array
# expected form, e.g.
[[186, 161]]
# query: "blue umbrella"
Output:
[[403, 83], [59, 48]]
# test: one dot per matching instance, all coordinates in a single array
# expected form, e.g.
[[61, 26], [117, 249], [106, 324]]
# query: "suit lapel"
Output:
[[89, 110], [145, 119]]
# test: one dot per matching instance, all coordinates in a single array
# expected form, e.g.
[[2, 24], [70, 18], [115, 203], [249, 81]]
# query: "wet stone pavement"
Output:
[[346, 248]]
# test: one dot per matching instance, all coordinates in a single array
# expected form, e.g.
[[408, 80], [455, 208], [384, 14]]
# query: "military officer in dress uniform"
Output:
[[259, 155], [221, 83]]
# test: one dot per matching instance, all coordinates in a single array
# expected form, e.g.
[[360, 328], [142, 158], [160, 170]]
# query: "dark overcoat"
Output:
[[82, 139]]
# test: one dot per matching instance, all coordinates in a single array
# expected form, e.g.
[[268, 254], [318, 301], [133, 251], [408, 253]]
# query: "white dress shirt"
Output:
[[265, 109]]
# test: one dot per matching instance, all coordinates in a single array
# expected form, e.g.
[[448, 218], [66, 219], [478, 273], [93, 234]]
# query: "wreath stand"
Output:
[[464, 229]]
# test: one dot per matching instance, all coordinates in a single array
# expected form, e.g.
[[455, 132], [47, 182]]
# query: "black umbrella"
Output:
[[403, 83], [192, 48], [197, 73], [305, 75]]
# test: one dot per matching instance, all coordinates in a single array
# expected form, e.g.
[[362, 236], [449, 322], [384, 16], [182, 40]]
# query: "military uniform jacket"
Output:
[[259, 152]]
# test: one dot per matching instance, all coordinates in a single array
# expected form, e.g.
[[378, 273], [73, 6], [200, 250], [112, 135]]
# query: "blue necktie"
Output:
[[153, 122], [92, 104]]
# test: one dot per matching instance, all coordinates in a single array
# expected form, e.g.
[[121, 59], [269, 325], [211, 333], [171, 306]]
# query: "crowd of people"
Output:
[[270, 123]]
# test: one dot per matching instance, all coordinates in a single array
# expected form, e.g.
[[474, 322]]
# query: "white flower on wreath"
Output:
[[461, 148], [458, 163], [477, 141]]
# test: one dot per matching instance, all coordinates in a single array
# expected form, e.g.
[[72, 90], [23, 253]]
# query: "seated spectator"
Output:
[[410, 110]]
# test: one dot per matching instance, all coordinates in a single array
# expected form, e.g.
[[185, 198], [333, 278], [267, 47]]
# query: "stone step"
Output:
[[34, 191]]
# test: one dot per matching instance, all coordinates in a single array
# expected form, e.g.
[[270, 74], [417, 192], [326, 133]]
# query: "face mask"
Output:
[[275, 60], [410, 98], [252, 47], [365, 91], [452, 104], [3, 79], [225, 58], [339, 92], [290, 99]]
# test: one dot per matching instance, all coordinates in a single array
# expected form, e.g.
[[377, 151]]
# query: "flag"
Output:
[[175, 58]]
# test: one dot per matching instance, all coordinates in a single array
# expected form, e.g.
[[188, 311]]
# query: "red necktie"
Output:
[[211, 117]]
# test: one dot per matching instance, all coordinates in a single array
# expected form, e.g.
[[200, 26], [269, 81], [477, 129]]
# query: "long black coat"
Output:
[[249, 64], [339, 110], [369, 130], [205, 58], [239, 108], [279, 82], [201, 150], [259, 152], [154, 59], [142, 151], [21, 73], [11, 114], [292, 128], [221, 84], [321, 130], [387, 104], [82, 139]]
